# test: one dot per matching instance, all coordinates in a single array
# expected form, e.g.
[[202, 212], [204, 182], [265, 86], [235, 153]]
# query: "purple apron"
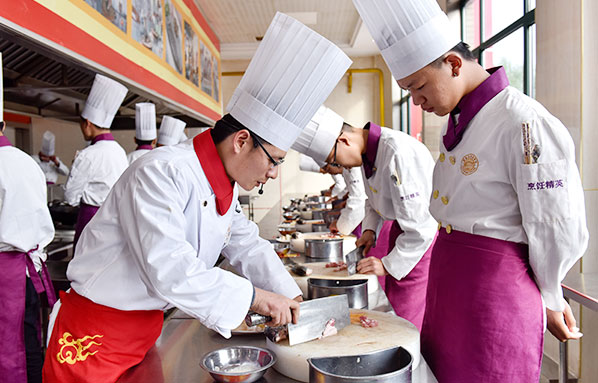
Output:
[[86, 213], [13, 366], [408, 296], [381, 248], [484, 313]]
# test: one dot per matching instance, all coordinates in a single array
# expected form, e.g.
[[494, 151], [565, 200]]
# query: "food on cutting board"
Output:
[[358, 318], [301, 271], [329, 329], [340, 266]]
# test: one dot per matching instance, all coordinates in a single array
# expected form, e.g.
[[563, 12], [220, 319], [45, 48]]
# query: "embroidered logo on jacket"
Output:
[[75, 350], [469, 164]]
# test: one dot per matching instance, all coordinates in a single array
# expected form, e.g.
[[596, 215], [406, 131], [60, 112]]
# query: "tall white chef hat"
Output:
[[320, 134], [48, 143], [308, 164], [291, 74], [145, 121], [170, 130], [103, 101], [409, 33], [183, 136]]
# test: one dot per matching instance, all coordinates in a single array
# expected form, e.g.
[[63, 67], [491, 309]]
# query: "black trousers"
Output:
[[33, 348]]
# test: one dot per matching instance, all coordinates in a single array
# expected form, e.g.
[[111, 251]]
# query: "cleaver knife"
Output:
[[313, 317], [353, 258]]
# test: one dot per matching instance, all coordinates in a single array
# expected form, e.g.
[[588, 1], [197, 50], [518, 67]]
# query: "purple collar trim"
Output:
[[369, 158], [146, 147], [471, 104], [102, 137], [4, 141]]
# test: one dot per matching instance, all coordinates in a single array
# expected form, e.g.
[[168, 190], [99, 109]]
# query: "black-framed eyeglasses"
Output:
[[334, 163], [273, 162]]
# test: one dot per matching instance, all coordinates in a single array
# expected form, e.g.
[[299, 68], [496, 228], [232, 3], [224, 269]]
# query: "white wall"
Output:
[[357, 108]]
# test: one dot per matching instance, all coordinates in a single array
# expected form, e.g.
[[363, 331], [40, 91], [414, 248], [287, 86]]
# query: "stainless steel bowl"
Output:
[[324, 248], [390, 365], [355, 289], [316, 198], [238, 363], [318, 205]]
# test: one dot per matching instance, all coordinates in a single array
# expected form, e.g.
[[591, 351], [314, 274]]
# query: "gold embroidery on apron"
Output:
[[74, 350]]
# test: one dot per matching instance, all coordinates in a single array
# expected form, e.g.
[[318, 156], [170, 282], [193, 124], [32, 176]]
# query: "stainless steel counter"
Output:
[[178, 352]]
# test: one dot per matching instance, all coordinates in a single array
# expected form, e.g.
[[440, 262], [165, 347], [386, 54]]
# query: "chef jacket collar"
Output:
[[471, 104], [146, 147], [212, 166], [369, 157], [4, 141], [102, 137]]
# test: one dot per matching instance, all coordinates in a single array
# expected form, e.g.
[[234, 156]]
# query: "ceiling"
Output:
[[237, 23]]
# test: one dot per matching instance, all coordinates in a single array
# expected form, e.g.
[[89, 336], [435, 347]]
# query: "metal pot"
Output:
[[316, 198], [324, 248], [355, 289], [319, 205], [318, 213], [390, 365], [319, 227]]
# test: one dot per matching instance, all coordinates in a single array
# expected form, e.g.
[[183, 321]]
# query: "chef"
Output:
[[154, 243], [48, 161], [507, 195], [316, 143], [397, 173], [97, 167], [25, 229], [145, 130], [171, 130]]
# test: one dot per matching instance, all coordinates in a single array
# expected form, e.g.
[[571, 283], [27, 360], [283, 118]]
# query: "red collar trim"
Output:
[[212, 166]]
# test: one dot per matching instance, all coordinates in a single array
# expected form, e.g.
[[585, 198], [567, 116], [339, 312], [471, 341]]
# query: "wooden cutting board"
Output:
[[321, 271], [352, 340]]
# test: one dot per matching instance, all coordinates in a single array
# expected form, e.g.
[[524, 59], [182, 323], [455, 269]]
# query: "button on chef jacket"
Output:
[[95, 170], [154, 243], [25, 221], [354, 211], [490, 191], [51, 171], [399, 189]]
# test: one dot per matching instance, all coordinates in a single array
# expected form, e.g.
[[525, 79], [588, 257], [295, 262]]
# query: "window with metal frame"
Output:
[[500, 33]]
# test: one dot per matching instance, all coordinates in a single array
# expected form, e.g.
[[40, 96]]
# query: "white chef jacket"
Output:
[[509, 200], [340, 188], [135, 154], [51, 171], [25, 221], [95, 169], [354, 211], [154, 243], [399, 190]]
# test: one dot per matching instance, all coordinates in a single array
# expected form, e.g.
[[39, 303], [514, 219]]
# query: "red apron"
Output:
[[91, 340], [408, 296], [484, 313], [13, 365], [381, 248], [86, 213]]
